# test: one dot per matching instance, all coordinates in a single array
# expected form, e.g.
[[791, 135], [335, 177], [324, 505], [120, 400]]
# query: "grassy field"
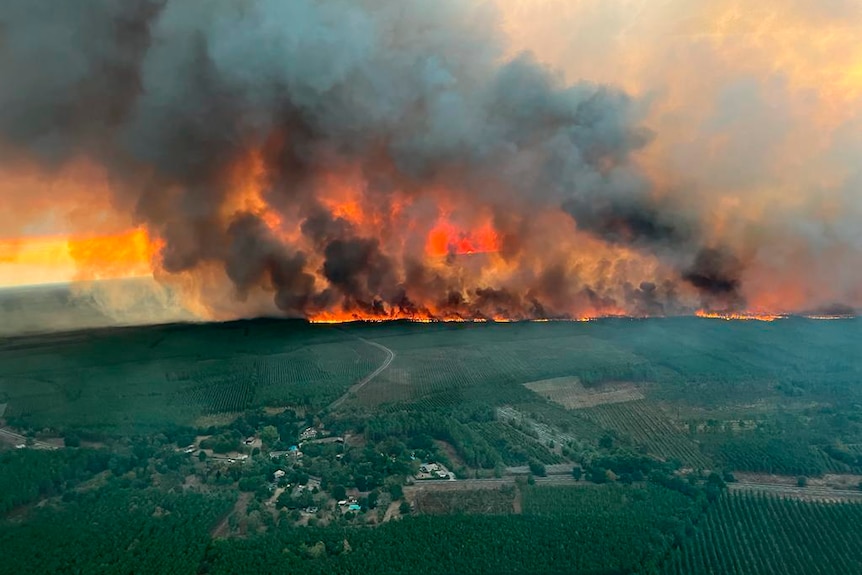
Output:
[[570, 393]]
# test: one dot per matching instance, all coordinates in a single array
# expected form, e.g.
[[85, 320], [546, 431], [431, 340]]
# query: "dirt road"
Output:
[[390, 355], [489, 483], [810, 493], [222, 529], [392, 511], [18, 439]]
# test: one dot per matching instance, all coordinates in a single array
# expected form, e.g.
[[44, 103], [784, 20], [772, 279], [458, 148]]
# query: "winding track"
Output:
[[17, 438], [390, 355]]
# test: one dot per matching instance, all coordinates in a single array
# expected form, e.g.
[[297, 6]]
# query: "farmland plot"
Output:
[[751, 534], [632, 526], [443, 377], [571, 393], [494, 500], [478, 370], [146, 378], [316, 374], [515, 447], [646, 425], [119, 395], [756, 452], [389, 388], [546, 432]]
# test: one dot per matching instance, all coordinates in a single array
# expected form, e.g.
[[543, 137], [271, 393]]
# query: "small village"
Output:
[[310, 482]]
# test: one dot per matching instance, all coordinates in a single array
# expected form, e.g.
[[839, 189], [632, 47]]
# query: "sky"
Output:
[[754, 110]]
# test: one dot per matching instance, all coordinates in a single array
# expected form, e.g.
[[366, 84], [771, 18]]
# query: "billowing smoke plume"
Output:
[[368, 157]]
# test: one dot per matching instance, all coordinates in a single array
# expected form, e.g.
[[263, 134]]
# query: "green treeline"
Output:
[[27, 475], [114, 531], [480, 439], [590, 530]]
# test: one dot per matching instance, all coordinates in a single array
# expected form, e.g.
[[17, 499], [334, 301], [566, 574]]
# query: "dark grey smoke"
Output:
[[167, 93], [254, 257], [716, 274]]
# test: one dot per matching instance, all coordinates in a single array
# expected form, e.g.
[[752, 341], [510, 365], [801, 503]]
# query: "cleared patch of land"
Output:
[[809, 493], [495, 499], [829, 489], [572, 394]]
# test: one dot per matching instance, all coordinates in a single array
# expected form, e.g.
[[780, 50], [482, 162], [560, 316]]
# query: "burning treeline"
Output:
[[342, 159]]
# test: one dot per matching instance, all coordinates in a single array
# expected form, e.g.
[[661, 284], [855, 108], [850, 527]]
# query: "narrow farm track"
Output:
[[391, 511], [390, 355], [808, 493], [17, 438]]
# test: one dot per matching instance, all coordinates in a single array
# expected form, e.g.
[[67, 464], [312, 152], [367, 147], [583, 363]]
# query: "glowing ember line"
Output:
[[739, 316], [349, 317]]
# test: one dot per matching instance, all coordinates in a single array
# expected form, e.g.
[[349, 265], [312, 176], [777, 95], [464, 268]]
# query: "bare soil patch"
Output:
[[222, 530], [518, 502], [495, 501], [450, 452], [571, 393], [392, 511], [217, 419], [829, 488]]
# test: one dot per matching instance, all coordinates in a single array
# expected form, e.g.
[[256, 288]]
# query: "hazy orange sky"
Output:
[[756, 106], [755, 109]]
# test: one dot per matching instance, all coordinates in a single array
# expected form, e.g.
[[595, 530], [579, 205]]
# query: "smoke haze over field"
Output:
[[377, 158]]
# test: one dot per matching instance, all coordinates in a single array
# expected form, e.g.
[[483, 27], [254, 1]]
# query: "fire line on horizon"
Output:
[[453, 163]]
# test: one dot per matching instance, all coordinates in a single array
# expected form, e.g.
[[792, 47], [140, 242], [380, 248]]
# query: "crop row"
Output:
[[438, 380], [646, 426], [748, 533], [236, 395], [486, 501], [494, 373], [311, 375], [514, 447], [586, 499], [765, 454], [29, 404], [624, 518]]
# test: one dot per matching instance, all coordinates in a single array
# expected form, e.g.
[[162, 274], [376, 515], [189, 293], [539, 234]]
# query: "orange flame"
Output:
[[444, 238], [248, 179], [739, 316]]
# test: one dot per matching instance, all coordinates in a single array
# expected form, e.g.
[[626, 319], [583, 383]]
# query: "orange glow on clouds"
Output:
[[54, 259], [749, 103], [445, 238]]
